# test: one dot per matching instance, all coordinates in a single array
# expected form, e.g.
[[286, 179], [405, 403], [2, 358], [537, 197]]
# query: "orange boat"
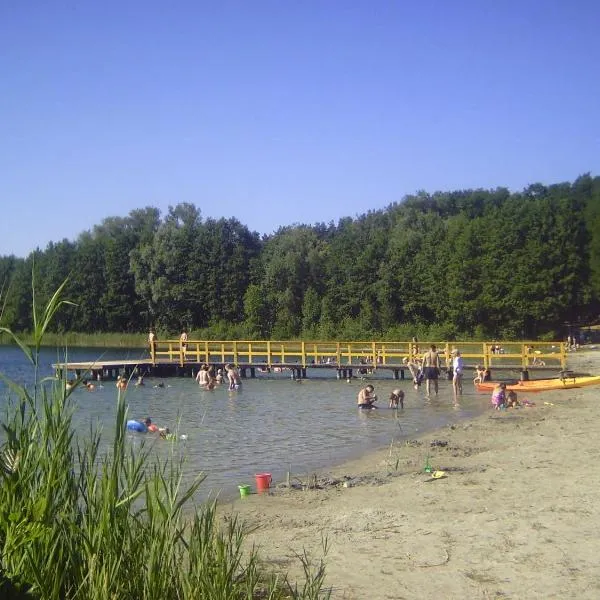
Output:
[[542, 385]]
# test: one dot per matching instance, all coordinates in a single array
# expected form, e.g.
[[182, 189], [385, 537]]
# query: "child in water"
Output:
[[397, 398], [479, 374]]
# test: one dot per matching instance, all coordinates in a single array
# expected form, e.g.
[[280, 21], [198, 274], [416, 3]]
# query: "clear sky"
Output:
[[284, 111]]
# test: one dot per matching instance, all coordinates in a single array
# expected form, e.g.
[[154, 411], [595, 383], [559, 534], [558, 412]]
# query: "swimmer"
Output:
[[202, 377], [150, 426], [140, 381]]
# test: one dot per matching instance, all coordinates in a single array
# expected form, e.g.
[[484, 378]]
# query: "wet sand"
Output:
[[516, 514]]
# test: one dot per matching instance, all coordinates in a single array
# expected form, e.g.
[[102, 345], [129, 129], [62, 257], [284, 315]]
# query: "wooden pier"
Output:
[[167, 358]]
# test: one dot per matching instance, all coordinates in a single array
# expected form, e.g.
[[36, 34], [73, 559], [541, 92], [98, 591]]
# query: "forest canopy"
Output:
[[448, 265]]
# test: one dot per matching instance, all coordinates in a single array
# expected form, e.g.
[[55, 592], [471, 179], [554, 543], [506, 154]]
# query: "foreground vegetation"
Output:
[[81, 521], [481, 264]]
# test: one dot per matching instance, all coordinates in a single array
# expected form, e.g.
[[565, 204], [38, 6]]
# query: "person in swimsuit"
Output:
[[233, 376], [183, 340], [152, 341], [457, 370], [397, 398], [366, 398], [431, 369]]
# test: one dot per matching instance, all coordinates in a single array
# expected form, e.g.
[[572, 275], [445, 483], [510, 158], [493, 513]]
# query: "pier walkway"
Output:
[[167, 358]]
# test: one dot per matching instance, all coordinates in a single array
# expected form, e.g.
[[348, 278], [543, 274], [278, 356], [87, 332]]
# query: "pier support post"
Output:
[[304, 373], [243, 372], [252, 373], [524, 375]]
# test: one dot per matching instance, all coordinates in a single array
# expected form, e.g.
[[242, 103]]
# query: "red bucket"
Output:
[[263, 482]]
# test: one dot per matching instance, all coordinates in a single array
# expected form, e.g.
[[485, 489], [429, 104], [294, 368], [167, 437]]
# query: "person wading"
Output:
[[431, 369]]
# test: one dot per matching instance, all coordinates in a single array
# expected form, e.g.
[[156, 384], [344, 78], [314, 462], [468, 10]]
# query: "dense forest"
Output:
[[472, 263]]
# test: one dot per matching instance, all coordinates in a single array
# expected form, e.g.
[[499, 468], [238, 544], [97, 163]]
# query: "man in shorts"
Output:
[[431, 369]]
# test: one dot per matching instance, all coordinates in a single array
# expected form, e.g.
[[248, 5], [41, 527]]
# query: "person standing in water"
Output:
[[457, 370], [431, 369], [233, 376]]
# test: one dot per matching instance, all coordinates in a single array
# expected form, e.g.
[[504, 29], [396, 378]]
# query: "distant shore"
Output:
[[515, 513], [134, 341]]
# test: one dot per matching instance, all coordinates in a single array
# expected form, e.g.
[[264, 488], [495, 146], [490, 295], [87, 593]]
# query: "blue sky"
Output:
[[282, 112]]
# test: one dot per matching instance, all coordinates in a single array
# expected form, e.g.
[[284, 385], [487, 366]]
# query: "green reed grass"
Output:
[[81, 521]]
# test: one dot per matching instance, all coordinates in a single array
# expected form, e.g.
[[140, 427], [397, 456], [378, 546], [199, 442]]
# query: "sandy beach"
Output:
[[516, 514]]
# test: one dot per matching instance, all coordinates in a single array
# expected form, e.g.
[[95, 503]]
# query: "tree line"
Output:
[[472, 263]]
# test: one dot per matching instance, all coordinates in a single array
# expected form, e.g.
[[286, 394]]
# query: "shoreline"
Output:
[[513, 516]]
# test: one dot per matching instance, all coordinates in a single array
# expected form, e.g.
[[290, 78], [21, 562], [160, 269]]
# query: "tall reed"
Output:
[[79, 520]]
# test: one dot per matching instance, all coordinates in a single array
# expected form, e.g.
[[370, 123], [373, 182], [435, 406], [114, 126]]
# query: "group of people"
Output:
[[208, 379], [424, 368], [367, 398], [183, 341], [428, 368], [501, 398]]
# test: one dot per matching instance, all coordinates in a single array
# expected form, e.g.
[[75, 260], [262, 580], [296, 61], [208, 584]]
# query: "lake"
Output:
[[271, 424]]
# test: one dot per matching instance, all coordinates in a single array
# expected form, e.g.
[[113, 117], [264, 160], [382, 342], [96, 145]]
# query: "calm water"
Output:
[[272, 424]]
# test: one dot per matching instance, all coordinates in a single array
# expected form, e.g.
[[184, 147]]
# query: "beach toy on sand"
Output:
[[244, 490], [438, 474], [263, 482], [427, 468]]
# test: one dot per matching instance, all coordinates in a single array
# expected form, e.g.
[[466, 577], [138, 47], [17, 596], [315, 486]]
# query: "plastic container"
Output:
[[244, 490], [263, 482]]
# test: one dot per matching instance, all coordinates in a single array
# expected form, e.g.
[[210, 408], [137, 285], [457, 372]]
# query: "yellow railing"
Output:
[[375, 354]]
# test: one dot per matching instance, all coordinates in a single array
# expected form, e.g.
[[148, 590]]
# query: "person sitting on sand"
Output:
[[397, 398], [499, 396], [511, 399], [479, 375], [366, 398]]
